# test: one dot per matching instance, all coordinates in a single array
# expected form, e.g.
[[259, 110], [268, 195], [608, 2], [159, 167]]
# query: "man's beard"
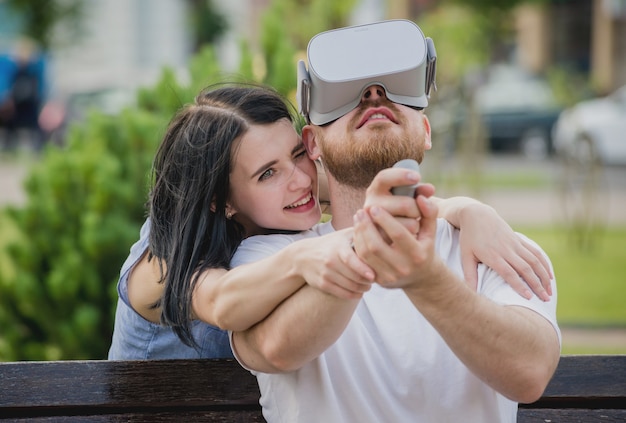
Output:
[[355, 163]]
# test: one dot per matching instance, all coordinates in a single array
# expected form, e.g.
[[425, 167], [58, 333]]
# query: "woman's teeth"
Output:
[[300, 203]]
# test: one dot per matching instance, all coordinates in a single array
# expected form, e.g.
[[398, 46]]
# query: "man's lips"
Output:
[[377, 113]]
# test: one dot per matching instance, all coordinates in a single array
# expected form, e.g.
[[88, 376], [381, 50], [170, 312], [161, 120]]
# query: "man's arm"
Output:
[[246, 294], [513, 349], [296, 332], [306, 323]]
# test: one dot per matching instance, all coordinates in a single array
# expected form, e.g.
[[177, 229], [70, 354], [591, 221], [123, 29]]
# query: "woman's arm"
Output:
[[239, 298], [487, 238], [145, 288]]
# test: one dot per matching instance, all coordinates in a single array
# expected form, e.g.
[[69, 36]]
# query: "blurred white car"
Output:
[[594, 130]]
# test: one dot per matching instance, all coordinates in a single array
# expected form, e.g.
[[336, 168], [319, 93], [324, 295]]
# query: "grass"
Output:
[[490, 181], [591, 350], [591, 282]]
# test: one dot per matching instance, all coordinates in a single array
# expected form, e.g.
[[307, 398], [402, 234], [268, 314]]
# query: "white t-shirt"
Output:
[[390, 364]]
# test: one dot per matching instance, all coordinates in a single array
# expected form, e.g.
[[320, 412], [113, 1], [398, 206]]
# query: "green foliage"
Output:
[[85, 205], [460, 41], [246, 64], [302, 19], [286, 28], [85, 202], [208, 24], [41, 16], [486, 7], [569, 86]]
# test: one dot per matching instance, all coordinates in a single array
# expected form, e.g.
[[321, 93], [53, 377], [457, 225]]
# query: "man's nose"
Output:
[[373, 92]]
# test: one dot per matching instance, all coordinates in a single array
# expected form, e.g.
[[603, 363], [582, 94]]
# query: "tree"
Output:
[[41, 17], [495, 20], [208, 24]]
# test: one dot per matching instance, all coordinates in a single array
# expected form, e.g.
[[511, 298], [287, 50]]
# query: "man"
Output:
[[420, 345]]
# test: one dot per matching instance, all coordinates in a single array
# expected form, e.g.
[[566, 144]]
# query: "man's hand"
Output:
[[404, 208], [406, 258]]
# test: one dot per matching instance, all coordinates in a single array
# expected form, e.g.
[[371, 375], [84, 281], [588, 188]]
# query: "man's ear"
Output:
[[428, 144], [310, 143]]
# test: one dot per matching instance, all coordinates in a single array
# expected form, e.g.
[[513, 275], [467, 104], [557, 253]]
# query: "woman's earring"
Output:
[[229, 215]]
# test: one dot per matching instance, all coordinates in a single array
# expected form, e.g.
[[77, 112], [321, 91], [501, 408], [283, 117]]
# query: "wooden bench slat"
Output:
[[599, 380], [186, 417], [570, 415], [584, 388], [93, 387]]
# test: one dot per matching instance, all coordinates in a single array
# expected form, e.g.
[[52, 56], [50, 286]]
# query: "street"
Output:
[[544, 200]]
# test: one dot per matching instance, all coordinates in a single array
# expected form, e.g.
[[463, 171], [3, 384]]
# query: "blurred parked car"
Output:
[[594, 130], [518, 112]]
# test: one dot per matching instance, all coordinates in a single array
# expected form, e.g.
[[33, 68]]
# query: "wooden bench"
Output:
[[584, 389]]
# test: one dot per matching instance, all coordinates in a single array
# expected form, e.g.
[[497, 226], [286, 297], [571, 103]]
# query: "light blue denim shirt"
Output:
[[135, 338]]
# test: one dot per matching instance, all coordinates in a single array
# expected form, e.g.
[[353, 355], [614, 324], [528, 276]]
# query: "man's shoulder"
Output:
[[288, 238], [259, 246], [446, 231]]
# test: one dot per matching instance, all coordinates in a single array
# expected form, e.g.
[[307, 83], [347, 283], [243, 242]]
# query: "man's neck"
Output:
[[344, 202]]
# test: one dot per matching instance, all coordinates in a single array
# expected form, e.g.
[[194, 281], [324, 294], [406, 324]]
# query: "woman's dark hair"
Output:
[[189, 230]]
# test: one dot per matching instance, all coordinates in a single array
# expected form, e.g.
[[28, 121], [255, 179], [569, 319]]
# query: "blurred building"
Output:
[[125, 43], [585, 36], [582, 35]]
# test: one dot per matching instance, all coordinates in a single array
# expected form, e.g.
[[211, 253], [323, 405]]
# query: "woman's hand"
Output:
[[330, 264], [486, 238]]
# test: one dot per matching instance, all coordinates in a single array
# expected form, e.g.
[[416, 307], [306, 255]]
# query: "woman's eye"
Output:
[[300, 154], [267, 174]]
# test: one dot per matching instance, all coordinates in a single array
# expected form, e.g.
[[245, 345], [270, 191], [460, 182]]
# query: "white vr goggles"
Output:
[[344, 62]]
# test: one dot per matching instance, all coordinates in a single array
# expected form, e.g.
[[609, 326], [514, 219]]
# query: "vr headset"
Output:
[[344, 62]]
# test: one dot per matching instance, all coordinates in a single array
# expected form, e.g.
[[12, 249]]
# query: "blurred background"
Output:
[[529, 117]]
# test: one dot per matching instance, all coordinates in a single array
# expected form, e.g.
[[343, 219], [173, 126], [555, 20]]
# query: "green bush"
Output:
[[83, 211]]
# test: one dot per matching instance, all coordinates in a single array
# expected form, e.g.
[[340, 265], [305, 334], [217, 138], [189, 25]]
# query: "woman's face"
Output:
[[273, 181]]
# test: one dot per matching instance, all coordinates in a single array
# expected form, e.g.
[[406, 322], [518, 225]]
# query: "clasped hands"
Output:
[[395, 235], [393, 238]]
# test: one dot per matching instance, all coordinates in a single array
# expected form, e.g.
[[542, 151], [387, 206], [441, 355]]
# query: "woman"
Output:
[[231, 166]]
